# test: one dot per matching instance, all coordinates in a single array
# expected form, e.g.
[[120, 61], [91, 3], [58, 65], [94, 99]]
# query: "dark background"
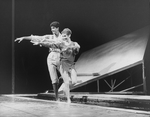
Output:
[[93, 23]]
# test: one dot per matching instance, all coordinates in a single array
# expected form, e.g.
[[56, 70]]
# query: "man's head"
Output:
[[55, 27]]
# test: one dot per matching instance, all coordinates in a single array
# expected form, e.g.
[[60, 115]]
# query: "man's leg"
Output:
[[54, 78], [55, 88]]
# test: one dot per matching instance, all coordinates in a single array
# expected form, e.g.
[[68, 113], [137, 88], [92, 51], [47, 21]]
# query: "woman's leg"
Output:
[[65, 86], [73, 75]]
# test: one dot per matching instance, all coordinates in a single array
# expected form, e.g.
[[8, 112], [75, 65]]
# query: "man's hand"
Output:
[[19, 39]]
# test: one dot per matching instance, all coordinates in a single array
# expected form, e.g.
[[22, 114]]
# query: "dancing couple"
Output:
[[62, 52]]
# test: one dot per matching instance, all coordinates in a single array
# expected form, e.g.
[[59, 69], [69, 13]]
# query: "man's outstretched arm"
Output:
[[35, 38]]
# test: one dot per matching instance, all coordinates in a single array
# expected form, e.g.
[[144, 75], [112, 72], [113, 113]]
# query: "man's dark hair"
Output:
[[55, 24]]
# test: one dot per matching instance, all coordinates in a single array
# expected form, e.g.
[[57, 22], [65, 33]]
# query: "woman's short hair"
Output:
[[67, 31]]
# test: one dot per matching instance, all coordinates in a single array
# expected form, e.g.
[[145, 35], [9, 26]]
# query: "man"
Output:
[[53, 58]]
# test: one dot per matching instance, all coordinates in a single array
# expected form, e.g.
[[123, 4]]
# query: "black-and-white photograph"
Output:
[[75, 58]]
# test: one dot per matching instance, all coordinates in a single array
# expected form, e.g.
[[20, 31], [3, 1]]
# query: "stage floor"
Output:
[[25, 106], [119, 100]]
